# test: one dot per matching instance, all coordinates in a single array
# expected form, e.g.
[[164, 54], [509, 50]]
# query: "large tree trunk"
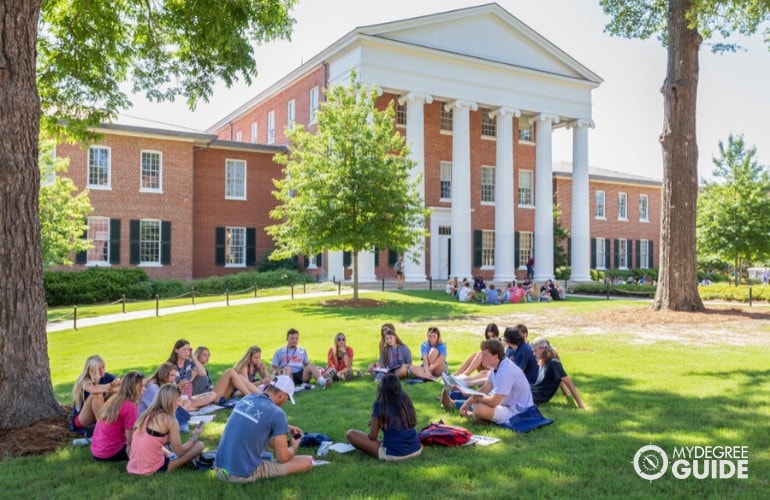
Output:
[[678, 278], [26, 394]]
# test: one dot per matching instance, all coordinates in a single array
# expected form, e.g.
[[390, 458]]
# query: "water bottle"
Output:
[[81, 442]]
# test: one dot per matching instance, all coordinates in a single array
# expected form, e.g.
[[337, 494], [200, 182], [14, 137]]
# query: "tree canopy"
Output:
[[348, 186], [734, 209], [682, 26]]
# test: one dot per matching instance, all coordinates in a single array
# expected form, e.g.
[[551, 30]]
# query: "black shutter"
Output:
[[347, 258], [593, 253], [114, 241], [392, 257], [165, 242], [516, 262], [638, 257], [649, 252], [477, 248], [569, 251], [251, 246], [134, 240], [219, 246], [376, 257], [305, 261], [82, 257], [319, 260], [607, 253], [617, 254]]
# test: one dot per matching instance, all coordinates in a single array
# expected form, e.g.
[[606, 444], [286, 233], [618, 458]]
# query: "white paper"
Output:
[[197, 419], [342, 447], [206, 410], [452, 381], [317, 462], [483, 440]]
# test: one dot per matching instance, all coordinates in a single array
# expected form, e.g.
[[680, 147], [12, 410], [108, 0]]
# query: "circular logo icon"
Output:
[[650, 462]]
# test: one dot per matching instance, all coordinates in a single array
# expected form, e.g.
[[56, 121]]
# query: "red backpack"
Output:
[[446, 435]]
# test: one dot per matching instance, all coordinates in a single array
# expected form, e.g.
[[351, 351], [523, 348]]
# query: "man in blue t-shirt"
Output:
[[258, 422]]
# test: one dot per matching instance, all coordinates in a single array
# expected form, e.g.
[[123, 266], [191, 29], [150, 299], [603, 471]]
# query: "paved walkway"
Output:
[[150, 313]]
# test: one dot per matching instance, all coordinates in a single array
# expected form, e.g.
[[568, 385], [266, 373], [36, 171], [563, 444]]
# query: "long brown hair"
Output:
[[130, 390], [173, 358], [160, 377], [246, 359]]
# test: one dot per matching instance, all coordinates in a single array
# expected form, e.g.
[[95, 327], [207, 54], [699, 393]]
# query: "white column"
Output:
[[366, 267], [414, 259], [580, 232], [505, 269], [462, 258], [543, 196], [335, 268]]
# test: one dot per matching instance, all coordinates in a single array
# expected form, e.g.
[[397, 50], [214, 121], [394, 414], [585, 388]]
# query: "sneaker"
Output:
[[307, 386], [324, 382], [446, 401], [329, 374], [359, 373]]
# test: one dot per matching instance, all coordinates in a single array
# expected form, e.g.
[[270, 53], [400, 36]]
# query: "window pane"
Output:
[[151, 170], [525, 246], [487, 248], [446, 180], [446, 118], [622, 206], [599, 264], [99, 166], [622, 255], [525, 187], [643, 207], [488, 184], [235, 179], [99, 234], [149, 244], [400, 113], [600, 204], [235, 245], [488, 124]]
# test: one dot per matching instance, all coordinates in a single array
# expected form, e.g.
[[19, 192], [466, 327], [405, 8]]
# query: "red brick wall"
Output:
[[124, 201], [298, 90], [212, 210]]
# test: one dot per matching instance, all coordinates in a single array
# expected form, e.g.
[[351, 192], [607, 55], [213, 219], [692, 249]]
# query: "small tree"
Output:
[[348, 186], [560, 235], [734, 211], [62, 215]]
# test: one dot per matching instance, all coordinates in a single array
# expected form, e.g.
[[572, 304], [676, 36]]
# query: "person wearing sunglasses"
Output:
[[339, 360]]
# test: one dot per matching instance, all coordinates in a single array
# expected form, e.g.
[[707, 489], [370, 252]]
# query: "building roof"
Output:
[[564, 169]]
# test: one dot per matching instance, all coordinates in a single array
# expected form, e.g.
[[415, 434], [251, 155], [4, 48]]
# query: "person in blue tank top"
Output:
[[394, 414]]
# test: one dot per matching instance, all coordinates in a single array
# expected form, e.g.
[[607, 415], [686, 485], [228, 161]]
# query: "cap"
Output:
[[285, 384]]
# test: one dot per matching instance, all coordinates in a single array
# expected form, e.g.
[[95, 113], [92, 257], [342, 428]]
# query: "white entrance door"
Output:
[[444, 236]]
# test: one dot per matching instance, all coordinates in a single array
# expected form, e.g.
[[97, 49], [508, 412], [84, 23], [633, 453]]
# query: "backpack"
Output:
[[443, 434]]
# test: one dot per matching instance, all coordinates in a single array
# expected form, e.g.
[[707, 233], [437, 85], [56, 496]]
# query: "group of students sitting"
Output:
[[514, 292], [135, 419]]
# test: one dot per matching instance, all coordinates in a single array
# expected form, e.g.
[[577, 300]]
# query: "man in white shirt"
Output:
[[466, 293], [293, 361]]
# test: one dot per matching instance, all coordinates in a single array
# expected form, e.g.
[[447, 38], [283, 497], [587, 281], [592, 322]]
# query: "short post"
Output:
[[750, 288], [227, 296], [304, 287], [383, 284], [193, 295], [608, 291], [157, 305], [123, 301], [255, 290], [430, 283], [292, 292], [339, 287], [75, 318]]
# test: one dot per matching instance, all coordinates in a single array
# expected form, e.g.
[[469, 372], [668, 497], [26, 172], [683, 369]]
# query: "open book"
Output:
[[452, 381]]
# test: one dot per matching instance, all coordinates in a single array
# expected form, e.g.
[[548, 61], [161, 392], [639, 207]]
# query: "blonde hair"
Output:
[[89, 375], [162, 404], [130, 390], [548, 351], [246, 359]]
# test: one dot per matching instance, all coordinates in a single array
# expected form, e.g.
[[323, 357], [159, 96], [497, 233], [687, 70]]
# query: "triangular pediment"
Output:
[[487, 32]]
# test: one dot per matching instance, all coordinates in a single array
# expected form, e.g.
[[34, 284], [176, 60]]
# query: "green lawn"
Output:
[[664, 393]]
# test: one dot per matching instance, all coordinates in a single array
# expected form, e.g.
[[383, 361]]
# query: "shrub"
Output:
[[563, 272], [95, 285]]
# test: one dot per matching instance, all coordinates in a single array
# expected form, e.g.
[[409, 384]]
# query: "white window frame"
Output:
[[400, 114], [314, 105], [644, 208], [445, 176], [487, 249], [526, 189], [446, 118], [235, 243], [644, 254], [290, 114], [142, 187], [239, 136], [271, 127], [601, 256], [487, 185], [488, 124], [108, 168], [622, 206], [99, 239], [254, 131], [146, 245], [526, 242], [235, 172], [600, 210], [622, 253]]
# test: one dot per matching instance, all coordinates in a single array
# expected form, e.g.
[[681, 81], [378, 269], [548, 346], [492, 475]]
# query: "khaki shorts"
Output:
[[266, 470], [390, 458]]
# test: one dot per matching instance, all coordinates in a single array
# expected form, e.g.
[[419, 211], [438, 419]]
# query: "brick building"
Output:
[[477, 96]]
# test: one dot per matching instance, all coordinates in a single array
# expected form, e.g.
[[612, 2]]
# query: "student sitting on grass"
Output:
[[433, 353], [202, 382], [473, 363], [507, 392], [339, 360], [112, 436], [394, 413], [395, 358], [381, 346], [246, 377], [187, 367], [156, 427], [551, 376], [520, 352], [93, 386], [293, 361]]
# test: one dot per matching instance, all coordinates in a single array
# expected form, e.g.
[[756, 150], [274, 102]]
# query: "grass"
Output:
[[663, 393]]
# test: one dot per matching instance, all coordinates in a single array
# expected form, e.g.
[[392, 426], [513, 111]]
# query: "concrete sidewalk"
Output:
[[150, 313]]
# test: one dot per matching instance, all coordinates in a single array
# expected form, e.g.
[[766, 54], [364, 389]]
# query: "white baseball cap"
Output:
[[285, 384]]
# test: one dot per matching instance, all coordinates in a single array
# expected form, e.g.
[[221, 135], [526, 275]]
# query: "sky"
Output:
[[627, 106]]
